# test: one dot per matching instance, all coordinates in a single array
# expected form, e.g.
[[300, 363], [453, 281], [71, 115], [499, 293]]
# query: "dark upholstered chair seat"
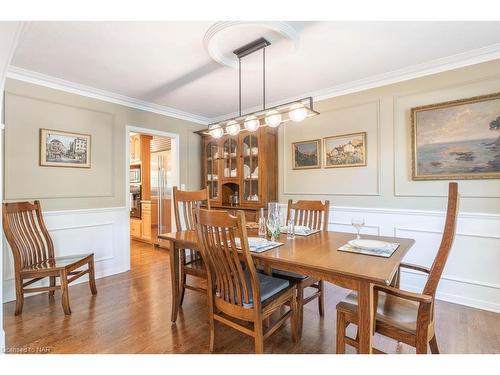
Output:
[[269, 287], [286, 275]]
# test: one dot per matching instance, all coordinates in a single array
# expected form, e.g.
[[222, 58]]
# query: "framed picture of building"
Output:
[[347, 150], [306, 154], [64, 149], [457, 140]]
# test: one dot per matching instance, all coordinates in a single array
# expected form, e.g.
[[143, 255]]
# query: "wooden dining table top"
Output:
[[318, 255]]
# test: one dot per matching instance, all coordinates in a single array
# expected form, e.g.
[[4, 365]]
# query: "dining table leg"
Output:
[[365, 313], [174, 273]]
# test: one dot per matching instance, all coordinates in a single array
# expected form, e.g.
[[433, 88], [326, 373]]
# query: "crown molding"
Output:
[[440, 65], [460, 60], [45, 80]]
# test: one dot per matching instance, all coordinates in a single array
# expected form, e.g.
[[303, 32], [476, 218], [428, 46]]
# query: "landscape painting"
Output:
[[306, 154], [63, 149], [348, 150], [457, 140]]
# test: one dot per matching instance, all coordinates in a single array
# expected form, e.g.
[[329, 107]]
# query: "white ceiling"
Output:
[[166, 63]]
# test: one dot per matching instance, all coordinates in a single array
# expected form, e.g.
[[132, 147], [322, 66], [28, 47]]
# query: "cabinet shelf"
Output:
[[264, 186]]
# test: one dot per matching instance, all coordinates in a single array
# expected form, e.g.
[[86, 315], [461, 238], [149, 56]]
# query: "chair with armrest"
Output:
[[313, 214], [191, 262], [405, 316], [34, 258], [238, 295]]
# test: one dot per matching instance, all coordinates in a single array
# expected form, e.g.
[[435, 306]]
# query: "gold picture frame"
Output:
[[349, 153], [461, 157], [64, 149], [304, 159]]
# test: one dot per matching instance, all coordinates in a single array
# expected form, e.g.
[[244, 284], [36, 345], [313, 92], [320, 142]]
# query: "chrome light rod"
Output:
[[283, 109], [296, 111]]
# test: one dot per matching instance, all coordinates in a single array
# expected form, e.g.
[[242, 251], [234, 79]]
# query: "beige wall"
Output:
[[384, 113], [30, 107]]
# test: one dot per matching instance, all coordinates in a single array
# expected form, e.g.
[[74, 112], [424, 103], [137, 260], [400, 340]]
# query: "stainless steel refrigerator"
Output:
[[161, 190]]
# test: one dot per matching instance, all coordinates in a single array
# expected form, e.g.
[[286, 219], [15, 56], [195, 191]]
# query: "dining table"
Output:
[[318, 256]]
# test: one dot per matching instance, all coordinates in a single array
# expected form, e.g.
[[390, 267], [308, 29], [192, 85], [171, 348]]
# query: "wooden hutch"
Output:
[[245, 164]]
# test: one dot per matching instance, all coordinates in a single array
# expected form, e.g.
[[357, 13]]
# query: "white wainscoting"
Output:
[[472, 274], [103, 231]]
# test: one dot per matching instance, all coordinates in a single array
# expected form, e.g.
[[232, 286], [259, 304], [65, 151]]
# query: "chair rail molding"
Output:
[[103, 231], [471, 276]]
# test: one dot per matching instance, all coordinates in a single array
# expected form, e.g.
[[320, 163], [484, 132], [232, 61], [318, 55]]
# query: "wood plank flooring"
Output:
[[131, 314]]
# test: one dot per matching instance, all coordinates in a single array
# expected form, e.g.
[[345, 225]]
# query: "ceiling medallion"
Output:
[[295, 111], [217, 30]]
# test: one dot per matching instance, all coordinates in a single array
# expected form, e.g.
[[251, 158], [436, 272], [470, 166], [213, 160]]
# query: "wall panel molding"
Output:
[[54, 114], [286, 162], [103, 231], [471, 275], [45, 80], [481, 188]]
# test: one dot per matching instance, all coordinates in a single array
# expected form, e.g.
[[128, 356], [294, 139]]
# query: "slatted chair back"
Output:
[[228, 271], [313, 214], [446, 242], [26, 234], [185, 203]]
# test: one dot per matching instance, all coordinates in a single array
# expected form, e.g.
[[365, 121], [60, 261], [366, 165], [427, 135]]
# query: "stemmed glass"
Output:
[[358, 224]]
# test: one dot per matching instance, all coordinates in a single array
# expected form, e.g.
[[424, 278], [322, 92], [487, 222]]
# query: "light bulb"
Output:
[[232, 127], [216, 131], [273, 118], [298, 113], [251, 123]]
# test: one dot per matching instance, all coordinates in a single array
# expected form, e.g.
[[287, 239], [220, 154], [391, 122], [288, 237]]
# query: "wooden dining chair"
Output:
[[191, 262], [237, 293], [405, 316], [313, 214], [34, 258]]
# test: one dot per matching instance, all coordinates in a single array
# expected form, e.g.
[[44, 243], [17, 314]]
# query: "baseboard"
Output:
[[102, 231], [9, 286], [471, 276]]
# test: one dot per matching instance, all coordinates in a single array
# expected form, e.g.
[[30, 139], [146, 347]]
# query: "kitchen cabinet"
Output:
[[135, 228]]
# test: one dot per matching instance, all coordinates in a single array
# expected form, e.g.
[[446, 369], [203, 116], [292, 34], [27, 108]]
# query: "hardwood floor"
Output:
[[131, 314]]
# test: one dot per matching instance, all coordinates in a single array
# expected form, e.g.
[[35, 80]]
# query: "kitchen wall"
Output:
[[383, 192], [85, 209]]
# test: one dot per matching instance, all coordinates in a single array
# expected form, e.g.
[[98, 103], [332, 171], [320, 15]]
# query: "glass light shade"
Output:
[[251, 123], [298, 113], [216, 131], [273, 118], [232, 127]]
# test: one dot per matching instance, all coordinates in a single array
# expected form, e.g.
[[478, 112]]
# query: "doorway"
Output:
[[152, 164]]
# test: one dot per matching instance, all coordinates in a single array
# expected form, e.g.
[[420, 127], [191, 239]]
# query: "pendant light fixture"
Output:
[[295, 111]]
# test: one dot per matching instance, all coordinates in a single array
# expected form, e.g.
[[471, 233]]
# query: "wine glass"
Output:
[[358, 224]]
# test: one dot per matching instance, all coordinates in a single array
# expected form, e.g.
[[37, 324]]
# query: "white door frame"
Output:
[[175, 163]]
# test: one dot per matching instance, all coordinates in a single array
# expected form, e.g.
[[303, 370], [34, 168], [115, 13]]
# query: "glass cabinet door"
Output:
[[250, 153], [229, 151], [212, 168]]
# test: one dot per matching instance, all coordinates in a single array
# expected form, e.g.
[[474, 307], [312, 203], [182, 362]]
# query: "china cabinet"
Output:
[[241, 171]]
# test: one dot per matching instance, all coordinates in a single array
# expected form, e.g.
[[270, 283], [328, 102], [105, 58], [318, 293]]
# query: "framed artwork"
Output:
[[63, 149], [306, 154], [457, 140], [347, 150]]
